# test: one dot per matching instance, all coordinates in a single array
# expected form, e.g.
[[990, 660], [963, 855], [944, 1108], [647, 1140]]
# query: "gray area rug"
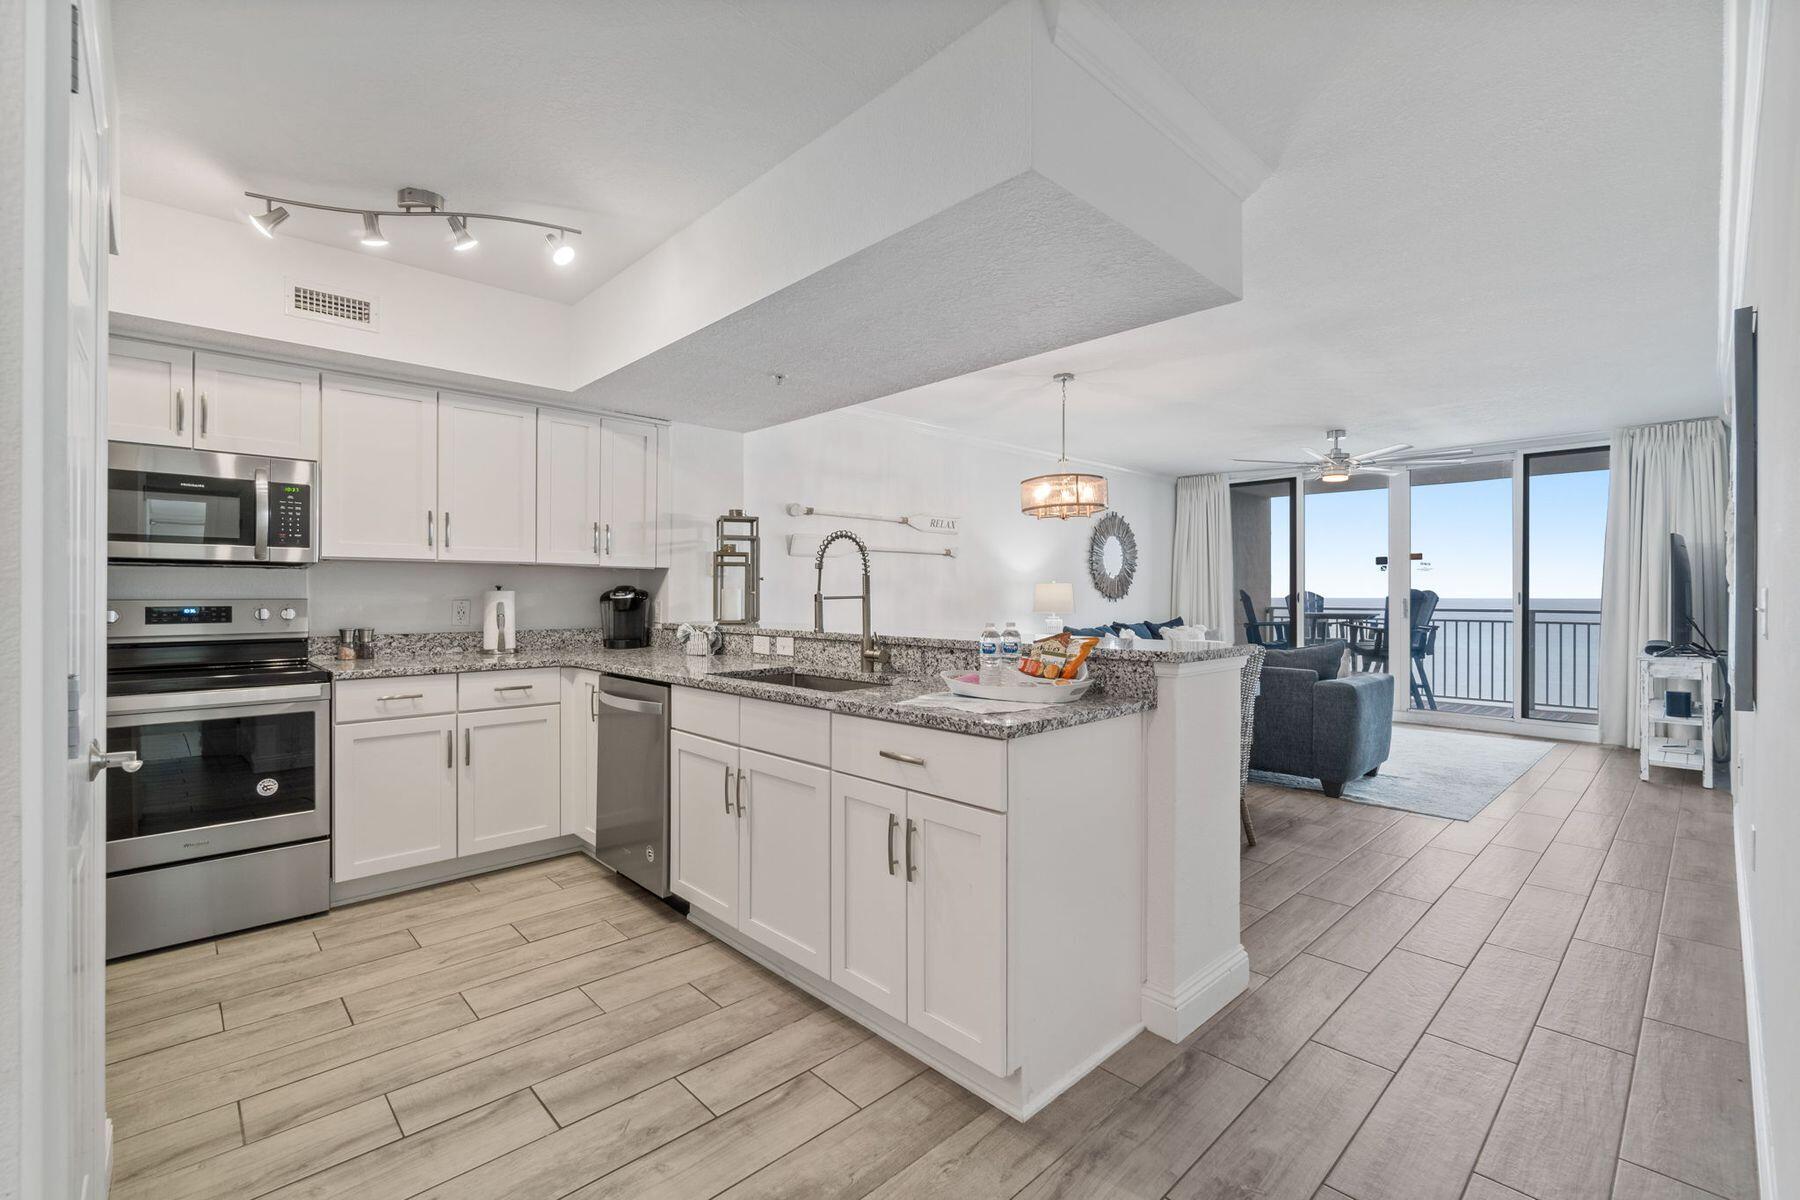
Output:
[[1438, 772]]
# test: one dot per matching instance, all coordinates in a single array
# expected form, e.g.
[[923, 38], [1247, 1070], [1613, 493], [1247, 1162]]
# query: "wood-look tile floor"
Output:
[[1546, 1001]]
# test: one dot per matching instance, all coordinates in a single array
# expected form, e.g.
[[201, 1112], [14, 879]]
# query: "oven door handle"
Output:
[[262, 513]]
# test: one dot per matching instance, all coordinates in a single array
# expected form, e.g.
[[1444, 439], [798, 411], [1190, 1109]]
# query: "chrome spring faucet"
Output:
[[873, 657]]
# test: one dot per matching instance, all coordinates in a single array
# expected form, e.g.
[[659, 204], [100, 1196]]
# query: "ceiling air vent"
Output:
[[358, 312]]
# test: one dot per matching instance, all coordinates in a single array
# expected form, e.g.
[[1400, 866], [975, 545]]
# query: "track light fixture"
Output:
[[413, 202], [460, 237], [265, 222]]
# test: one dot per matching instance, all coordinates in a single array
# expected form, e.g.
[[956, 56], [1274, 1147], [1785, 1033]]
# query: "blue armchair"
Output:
[[1310, 722]]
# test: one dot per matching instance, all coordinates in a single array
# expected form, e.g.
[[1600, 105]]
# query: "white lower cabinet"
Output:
[[784, 857], [956, 927], [395, 787], [868, 892], [580, 752], [702, 773], [510, 788]]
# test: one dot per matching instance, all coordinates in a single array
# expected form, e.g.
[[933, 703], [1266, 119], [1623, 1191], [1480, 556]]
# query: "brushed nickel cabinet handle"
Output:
[[180, 411], [400, 696], [449, 749], [910, 759], [446, 529], [202, 414], [596, 539], [607, 529], [430, 528], [912, 870], [740, 794], [893, 863], [468, 750], [727, 782], [516, 687]]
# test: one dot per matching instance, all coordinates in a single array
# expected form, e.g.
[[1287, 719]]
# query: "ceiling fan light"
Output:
[[460, 237], [1334, 475], [371, 231], [265, 222]]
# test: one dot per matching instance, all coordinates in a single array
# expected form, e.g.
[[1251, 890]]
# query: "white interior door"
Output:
[[628, 508], [378, 479], [249, 406], [701, 773], [487, 472], [956, 928], [149, 393], [868, 892], [568, 488], [784, 857]]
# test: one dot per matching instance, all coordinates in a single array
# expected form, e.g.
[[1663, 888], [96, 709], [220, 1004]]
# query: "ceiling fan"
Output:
[[1337, 465]]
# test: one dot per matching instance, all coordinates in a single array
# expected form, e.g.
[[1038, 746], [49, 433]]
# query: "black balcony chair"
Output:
[[1369, 642], [1274, 634]]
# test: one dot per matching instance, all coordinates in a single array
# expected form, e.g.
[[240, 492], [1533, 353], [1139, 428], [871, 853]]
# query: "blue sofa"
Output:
[[1311, 722]]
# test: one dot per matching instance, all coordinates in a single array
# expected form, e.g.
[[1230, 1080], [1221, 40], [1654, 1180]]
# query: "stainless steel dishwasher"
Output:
[[631, 826]]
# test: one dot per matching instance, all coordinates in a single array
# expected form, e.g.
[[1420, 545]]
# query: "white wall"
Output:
[[857, 460], [180, 266], [1768, 819], [706, 468]]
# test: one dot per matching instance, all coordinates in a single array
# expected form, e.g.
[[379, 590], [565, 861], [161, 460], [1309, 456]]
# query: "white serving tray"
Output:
[[1026, 691]]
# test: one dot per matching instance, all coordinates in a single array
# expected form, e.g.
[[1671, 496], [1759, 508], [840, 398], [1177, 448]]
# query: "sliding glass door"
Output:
[[1461, 642], [1345, 588], [1565, 539]]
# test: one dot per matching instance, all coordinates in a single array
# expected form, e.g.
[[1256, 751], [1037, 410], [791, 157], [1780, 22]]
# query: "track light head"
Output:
[[371, 231], [265, 222], [561, 253], [460, 237]]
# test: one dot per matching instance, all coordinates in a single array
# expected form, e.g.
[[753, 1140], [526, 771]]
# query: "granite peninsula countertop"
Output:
[[673, 666]]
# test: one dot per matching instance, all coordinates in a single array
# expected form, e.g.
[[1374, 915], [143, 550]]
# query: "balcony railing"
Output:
[[1472, 655]]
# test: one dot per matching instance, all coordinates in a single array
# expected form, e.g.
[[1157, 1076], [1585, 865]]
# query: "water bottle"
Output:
[[990, 655], [1011, 646]]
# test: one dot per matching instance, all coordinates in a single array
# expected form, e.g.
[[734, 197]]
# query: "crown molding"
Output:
[[1122, 65]]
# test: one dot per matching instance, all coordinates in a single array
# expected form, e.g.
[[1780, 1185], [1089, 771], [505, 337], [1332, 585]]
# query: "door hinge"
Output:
[[75, 49], [74, 710]]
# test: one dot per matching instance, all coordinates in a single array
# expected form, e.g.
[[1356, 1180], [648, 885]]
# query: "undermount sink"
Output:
[[801, 679]]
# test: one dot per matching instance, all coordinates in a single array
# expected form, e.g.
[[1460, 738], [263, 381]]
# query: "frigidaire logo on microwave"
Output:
[[198, 487]]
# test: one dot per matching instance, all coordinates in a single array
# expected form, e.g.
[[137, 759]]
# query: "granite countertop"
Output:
[[661, 665]]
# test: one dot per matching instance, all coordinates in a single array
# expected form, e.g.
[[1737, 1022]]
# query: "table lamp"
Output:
[[1051, 599]]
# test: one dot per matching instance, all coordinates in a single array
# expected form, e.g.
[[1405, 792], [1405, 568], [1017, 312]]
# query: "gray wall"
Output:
[[1249, 553]]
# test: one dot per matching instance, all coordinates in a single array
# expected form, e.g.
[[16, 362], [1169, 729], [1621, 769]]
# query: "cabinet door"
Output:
[[568, 488], [868, 892], [247, 406], [784, 857], [628, 508], [580, 744], [149, 393], [487, 472], [509, 790], [393, 795], [701, 775], [378, 476], [956, 928]]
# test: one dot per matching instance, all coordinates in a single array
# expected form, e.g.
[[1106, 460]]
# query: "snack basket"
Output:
[[1026, 691]]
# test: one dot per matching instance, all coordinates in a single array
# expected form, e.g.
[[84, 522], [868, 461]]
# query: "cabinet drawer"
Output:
[[785, 729], [953, 765], [709, 714], [477, 690], [405, 696]]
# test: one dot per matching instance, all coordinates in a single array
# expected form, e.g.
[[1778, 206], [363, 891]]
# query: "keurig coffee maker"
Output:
[[625, 618]]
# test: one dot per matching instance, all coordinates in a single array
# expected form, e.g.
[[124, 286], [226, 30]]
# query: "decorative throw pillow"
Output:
[[1138, 629], [1156, 627], [1325, 658], [1099, 631]]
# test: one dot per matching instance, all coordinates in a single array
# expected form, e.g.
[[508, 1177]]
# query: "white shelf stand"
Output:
[[1684, 743]]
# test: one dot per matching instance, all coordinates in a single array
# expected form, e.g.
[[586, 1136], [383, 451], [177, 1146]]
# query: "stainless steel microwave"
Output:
[[167, 504]]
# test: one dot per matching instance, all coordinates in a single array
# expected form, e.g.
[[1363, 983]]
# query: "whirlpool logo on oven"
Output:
[[267, 787]]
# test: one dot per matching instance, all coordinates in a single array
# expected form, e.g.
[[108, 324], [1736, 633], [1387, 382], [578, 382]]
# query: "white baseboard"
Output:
[[455, 868], [1759, 1082], [1173, 1015]]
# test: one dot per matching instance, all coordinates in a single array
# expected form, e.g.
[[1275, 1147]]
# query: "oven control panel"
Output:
[[194, 620], [290, 515]]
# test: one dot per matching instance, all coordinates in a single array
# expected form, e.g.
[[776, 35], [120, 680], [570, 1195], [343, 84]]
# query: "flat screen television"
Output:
[[1681, 593]]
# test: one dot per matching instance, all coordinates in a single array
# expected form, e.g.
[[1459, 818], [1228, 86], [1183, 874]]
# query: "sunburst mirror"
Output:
[[1112, 556]]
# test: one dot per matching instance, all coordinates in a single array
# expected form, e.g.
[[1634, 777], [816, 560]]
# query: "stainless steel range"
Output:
[[227, 823]]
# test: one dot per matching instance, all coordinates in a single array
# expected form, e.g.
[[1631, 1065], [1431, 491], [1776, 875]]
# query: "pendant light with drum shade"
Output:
[[1065, 492]]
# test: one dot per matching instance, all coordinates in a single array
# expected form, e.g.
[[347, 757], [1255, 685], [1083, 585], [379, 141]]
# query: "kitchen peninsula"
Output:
[[1009, 897]]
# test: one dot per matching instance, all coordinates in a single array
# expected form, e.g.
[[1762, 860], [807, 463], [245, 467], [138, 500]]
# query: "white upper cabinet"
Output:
[[378, 479], [150, 393], [568, 488], [248, 406], [628, 506], [487, 473]]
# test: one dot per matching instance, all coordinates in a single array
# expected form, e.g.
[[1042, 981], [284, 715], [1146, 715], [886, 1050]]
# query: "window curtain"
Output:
[[1669, 478], [1202, 576]]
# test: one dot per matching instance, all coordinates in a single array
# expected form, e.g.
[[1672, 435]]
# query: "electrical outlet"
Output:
[[462, 612], [759, 643], [784, 646]]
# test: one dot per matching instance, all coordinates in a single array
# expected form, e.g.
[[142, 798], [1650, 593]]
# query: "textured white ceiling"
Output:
[[626, 118], [1486, 221]]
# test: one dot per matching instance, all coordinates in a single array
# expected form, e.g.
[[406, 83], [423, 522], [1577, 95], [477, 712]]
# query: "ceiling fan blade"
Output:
[[1314, 454], [1367, 470], [1372, 455], [1428, 462], [1270, 462], [1437, 454]]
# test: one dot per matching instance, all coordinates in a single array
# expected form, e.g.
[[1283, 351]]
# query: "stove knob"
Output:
[[112, 616], [261, 614], [288, 614]]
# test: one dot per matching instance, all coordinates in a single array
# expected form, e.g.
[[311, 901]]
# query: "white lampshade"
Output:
[[1053, 598]]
